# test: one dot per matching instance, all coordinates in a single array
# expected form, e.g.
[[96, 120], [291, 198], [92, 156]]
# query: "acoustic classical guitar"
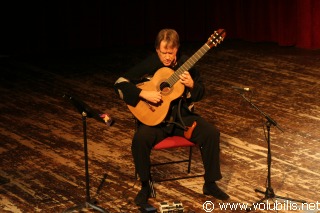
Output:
[[167, 81]]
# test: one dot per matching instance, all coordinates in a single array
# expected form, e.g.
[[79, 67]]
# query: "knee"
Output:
[[211, 137], [212, 131]]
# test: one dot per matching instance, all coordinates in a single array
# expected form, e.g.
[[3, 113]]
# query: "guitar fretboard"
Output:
[[188, 64]]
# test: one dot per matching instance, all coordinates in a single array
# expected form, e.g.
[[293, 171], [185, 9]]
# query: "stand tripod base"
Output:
[[86, 205], [269, 194]]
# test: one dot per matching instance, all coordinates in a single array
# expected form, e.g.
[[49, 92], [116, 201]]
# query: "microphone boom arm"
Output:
[[269, 119]]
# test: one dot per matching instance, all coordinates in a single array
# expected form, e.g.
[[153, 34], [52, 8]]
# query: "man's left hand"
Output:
[[186, 79]]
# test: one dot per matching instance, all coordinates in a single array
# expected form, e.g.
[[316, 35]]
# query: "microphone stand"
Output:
[[85, 112], [269, 192]]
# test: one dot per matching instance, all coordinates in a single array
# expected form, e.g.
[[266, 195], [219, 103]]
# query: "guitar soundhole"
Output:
[[165, 87]]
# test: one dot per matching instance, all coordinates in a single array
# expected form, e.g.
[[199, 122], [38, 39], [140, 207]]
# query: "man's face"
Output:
[[167, 54]]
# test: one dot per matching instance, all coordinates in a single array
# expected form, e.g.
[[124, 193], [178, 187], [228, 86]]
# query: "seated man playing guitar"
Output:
[[156, 98]]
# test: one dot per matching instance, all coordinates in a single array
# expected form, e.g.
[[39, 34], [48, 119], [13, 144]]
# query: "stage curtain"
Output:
[[44, 26], [286, 22], [308, 24]]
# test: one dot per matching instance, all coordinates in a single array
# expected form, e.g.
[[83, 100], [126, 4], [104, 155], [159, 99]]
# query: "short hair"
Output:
[[170, 36]]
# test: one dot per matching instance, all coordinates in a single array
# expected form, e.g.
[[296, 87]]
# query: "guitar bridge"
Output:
[[150, 106]]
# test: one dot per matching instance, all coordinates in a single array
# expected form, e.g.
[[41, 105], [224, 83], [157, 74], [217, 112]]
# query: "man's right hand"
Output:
[[151, 96]]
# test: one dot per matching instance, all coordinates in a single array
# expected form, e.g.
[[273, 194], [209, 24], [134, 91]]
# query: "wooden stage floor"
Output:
[[41, 132]]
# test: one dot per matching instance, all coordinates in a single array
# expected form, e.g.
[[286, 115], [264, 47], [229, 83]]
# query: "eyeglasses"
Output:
[[168, 53]]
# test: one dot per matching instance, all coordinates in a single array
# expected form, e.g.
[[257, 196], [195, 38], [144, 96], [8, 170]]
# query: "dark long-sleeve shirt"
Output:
[[126, 85]]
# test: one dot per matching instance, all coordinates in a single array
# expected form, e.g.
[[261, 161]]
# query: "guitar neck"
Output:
[[188, 64], [212, 41]]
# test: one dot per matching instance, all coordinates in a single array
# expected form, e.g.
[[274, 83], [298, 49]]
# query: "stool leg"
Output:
[[190, 157]]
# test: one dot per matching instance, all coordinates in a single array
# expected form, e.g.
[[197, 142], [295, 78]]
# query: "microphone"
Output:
[[241, 88]]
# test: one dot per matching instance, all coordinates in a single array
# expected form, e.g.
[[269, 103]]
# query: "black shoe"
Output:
[[215, 191], [142, 196]]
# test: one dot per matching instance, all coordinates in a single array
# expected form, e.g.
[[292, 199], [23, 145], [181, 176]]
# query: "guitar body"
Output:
[[153, 114]]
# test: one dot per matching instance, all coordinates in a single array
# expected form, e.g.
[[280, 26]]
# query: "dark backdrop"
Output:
[[42, 26]]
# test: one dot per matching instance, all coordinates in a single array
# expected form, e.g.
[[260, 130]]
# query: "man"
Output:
[[204, 134]]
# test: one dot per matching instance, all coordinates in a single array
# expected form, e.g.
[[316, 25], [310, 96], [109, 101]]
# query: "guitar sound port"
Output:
[[165, 87]]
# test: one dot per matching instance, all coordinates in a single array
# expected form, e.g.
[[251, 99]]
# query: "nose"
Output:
[[167, 56]]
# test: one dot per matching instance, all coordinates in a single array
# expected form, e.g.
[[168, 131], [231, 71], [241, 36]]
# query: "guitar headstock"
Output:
[[216, 38]]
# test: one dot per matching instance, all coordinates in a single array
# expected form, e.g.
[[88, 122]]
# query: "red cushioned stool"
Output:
[[173, 142]]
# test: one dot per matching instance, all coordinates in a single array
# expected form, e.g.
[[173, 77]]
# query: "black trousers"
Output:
[[205, 135]]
